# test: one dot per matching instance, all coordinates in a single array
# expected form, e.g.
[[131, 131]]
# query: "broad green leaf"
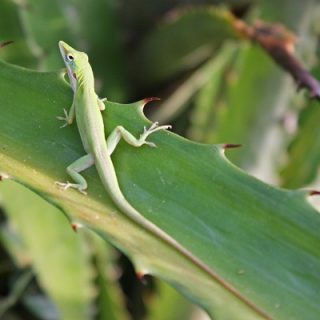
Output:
[[184, 41], [303, 152], [177, 101], [11, 29], [57, 254], [70, 21], [109, 301], [169, 304], [254, 102], [62, 269], [262, 241], [206, 104], [33, 16], [102, 41], [254, 96]]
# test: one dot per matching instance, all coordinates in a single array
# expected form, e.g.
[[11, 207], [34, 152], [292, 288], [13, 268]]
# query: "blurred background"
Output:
[[215, 86]]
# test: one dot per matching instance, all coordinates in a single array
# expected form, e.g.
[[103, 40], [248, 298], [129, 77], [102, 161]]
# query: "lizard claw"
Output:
[[67, 185], [63, 185], [64, 125], [153, 128], [64, 118], [150, 144]]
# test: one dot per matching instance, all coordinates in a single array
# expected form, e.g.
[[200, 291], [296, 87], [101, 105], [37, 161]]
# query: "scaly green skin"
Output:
[[86, 107]]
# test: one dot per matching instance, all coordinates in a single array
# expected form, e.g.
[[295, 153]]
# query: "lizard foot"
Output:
[[64, 118], [67, 185], [153, 128]]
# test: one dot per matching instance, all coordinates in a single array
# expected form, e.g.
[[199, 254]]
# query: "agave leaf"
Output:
[[109, 300], [169, 304], [303, 151], [262, 241], [172, 47], [61, 269]]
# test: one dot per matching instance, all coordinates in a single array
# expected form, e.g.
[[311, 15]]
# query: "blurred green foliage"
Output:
[[215, 88]]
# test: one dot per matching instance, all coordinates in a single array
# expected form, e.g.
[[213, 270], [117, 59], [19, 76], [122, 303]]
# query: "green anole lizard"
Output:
[[86, 108]]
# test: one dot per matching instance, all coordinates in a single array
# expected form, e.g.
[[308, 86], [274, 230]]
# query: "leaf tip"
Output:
[[231, 145], [141, 275], [4, 176], [5, 43], [149, 99], [314, 193]]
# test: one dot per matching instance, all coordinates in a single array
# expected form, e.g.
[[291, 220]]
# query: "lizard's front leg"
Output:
[[120, 132], [67, 118]]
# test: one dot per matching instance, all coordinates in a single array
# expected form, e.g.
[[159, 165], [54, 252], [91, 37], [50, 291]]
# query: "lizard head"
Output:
[[74, 61]]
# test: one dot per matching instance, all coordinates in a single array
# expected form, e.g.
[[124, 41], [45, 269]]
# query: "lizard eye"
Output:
[[70, 57]]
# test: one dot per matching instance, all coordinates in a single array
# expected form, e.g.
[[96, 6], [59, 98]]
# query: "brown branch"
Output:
[[279, 43]]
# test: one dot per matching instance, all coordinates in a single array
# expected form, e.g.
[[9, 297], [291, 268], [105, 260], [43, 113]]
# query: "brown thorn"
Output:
[[147, 100], [314, 193], [141, 277], [74, 226], [5, 43], [231, 146]]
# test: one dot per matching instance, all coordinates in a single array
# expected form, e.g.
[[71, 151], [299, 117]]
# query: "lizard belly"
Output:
[[91, 127]]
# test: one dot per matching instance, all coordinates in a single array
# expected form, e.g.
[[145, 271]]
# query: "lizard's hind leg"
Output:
[[73, 170]]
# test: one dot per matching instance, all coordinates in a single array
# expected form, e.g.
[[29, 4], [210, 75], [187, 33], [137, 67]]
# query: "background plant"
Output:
[[216, 87]]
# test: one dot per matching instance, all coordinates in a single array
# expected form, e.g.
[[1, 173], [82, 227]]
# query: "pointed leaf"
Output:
[[260, 244]]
